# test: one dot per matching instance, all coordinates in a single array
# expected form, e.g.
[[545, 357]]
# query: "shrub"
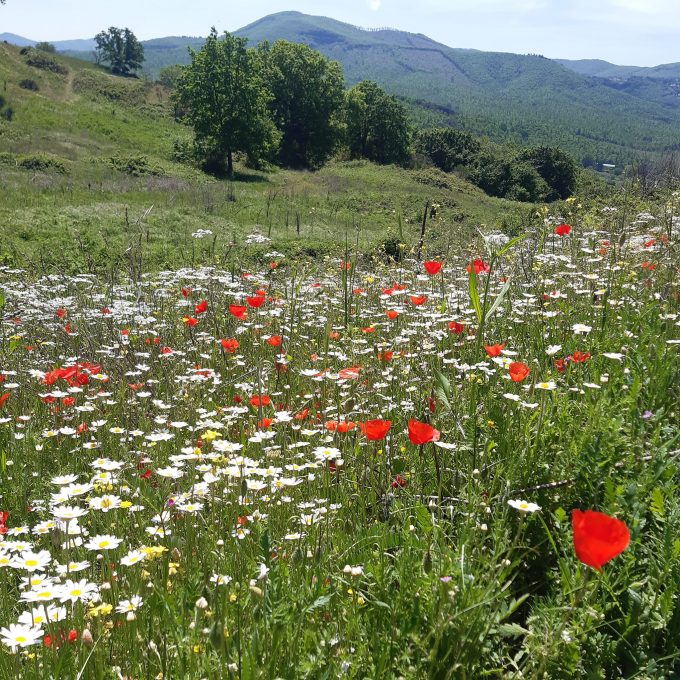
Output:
[[135, 166], [28, 84], [42, 163], [44, 61]]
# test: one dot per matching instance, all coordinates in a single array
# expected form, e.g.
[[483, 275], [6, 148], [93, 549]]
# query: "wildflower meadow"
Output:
[[453, 462]]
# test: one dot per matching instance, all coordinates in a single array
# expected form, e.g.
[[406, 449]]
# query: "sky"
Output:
[[631, 32]]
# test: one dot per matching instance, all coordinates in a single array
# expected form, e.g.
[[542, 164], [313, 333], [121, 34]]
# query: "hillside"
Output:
[[87, 154], [603, 69], [522, 98]]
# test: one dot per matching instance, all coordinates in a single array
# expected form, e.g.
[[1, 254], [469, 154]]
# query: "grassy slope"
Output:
[[76, 219]]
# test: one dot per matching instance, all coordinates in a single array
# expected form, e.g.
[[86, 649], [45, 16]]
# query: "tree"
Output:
[[226, 103], [307, 101], [169, 76], [120, 49], [377, 125], [556, 167], [45, 47], [447, 148]]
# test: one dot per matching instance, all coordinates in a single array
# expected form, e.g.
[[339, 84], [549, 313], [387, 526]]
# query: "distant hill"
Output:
[[526, 98], [81, 45], [603, 69]]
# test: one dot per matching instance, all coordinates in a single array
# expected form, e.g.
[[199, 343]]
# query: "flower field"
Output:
[[453, 467]]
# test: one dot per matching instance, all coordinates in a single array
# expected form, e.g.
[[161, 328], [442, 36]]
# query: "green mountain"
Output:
[[603, 69], [527, 99]]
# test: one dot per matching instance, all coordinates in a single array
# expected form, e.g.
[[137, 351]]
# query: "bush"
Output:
[[135, 166], [447, 148], [44, 61], [28, 84], [42, 163]]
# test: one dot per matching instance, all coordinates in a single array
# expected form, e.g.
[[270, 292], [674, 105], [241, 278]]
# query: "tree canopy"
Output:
[[377, 125], [307, 101], [226, 102], [120, 49]]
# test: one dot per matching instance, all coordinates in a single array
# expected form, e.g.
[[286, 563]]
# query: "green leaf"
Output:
[[318, 603], [511, 243], [442, 389], [511, 630], [498, 300], [657, 504], [474, 295]]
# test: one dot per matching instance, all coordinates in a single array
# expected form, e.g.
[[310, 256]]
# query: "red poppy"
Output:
[[375, 430], [560, 365], [201, 307], [518, 371], [494, 350], [189, 321], [60, 313], [456, 327], [598, 538], [351, 373], [368, 329], [562, 229], [239, 311], [432, 267], [255, 301], [185, 292], [580, 357], [422, 433], [340, 426], [256, 401], [105, 310], [229, 345], [398, 482], [480, 267], [4, 398], [417, 299], [392, 314], [274, 340], [357, 291], [265, 423], [302, 415]]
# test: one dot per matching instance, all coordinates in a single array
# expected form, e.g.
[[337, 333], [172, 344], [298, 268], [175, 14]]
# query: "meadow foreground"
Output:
[[448, 467]]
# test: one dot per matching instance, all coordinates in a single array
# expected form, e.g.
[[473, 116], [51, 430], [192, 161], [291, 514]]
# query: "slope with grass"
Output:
[[89, 160]]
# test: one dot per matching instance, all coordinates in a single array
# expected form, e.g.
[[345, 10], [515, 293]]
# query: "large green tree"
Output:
[[377, 125], [119, 48], [556, 167], [447, 148], [226, 100], [307, 101]]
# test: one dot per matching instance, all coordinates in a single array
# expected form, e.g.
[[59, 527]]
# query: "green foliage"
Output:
[[42, 163], [44, 61], [29, 84], [226, 103], [120, 49], [45, 47], [447, 148], [135, 166], [377, 125], [557, 169], [500, 174], [307, 102], [169, 76]]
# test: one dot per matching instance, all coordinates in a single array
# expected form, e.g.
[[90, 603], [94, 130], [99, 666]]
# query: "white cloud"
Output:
[[374, 4]]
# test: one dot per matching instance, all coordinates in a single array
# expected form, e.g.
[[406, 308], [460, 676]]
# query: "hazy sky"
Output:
[[640, 32]]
